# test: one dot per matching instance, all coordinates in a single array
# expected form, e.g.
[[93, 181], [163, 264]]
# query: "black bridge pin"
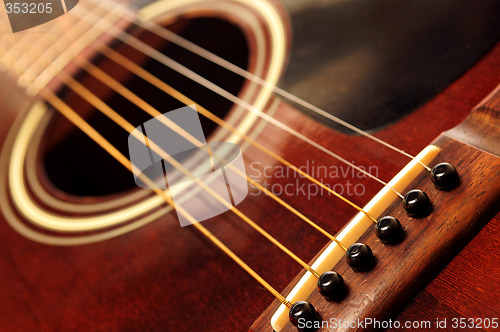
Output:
[[303, 313], [445, 176], [332, 286], [360, 257], [389, 230], [417, 204]]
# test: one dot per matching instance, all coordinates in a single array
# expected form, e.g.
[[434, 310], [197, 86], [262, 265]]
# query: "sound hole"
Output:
[[78, 166]]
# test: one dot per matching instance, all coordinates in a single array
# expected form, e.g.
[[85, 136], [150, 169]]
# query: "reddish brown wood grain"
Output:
[[168, 278], [467, 287], [428, 245], [385, 291]]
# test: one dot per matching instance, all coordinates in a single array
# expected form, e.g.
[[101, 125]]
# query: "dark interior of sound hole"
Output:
[[78, 166]]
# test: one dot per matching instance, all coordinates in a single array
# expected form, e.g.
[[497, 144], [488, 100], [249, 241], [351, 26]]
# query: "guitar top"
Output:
[[199, 165]]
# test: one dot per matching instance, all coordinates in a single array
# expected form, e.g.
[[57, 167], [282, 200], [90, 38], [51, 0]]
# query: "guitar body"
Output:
[[167, 278]]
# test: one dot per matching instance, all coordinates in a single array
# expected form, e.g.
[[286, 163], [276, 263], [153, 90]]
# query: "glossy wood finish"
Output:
[[467, 287], [168, 278], [348, 46], [429, 243]]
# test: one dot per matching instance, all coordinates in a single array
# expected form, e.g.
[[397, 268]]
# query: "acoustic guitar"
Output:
[[370, 135]]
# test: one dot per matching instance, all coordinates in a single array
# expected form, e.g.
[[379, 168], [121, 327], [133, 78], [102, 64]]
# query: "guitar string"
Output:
[[158, 56], [141, 103], [79, 122], [234, 257], [292, 256], [153, 80], [221, 122], [56, 102], [222, 246], [95, 101], [17, 54], [30, 73], [12, 59], [59, 52], [135, 99], [212, 57], [154, 54]]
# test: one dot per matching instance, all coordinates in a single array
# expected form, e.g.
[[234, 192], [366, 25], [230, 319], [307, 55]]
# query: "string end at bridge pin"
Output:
[[303, 313], [445, 176]]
